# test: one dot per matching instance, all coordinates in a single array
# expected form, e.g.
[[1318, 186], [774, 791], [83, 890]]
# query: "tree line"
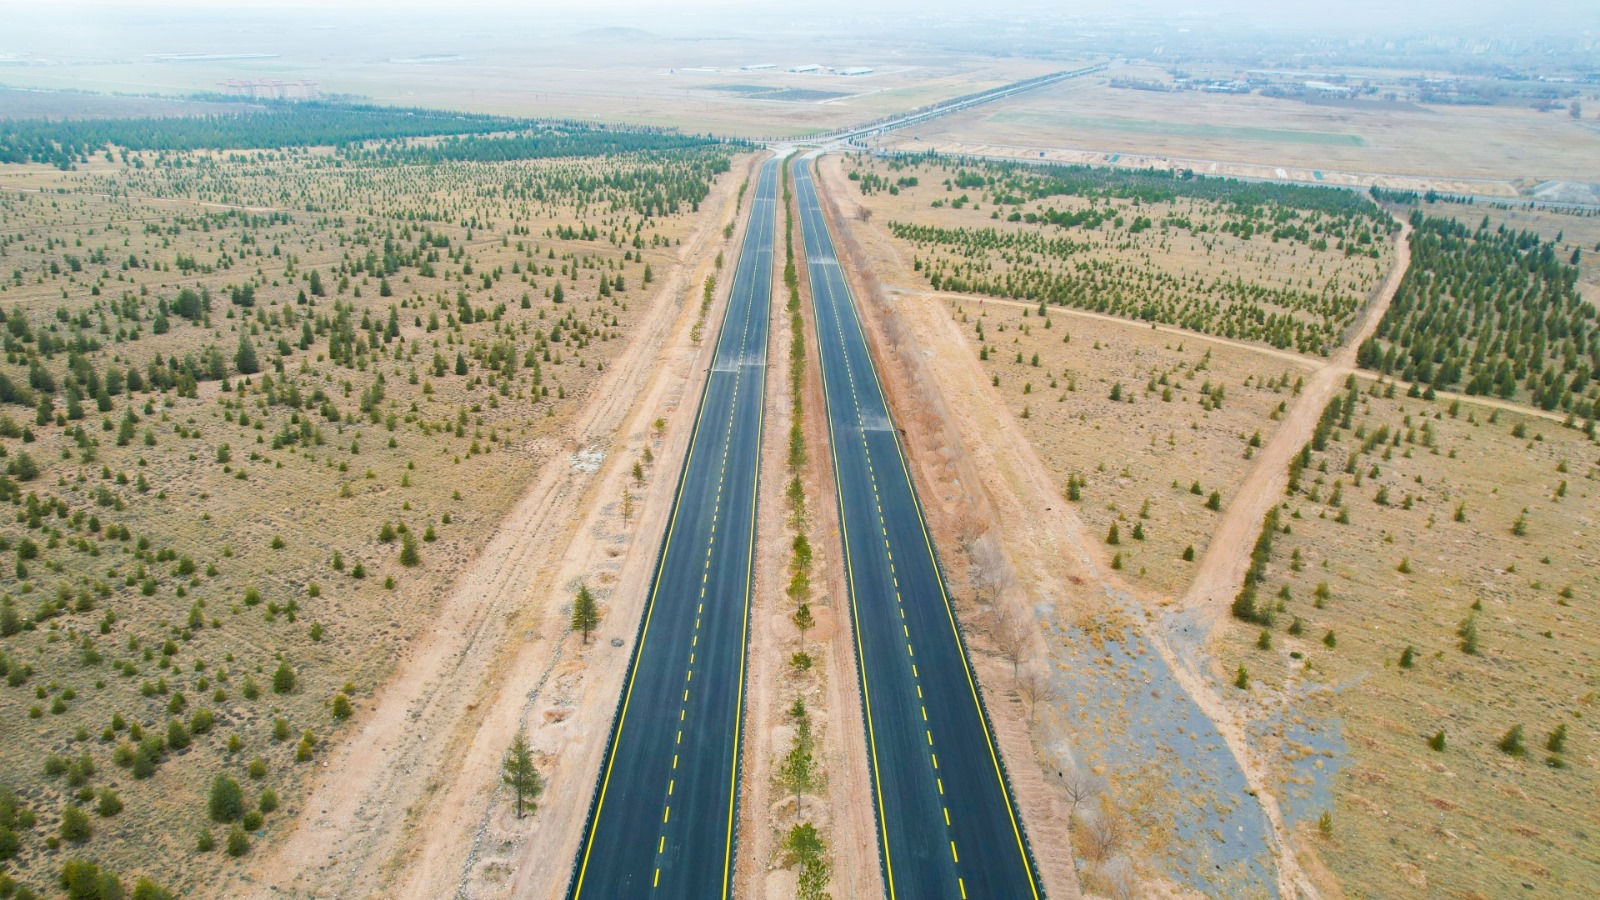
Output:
[[1494, 313], [63, 143]]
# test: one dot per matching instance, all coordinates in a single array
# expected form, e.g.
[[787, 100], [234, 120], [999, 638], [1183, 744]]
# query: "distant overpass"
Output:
[[944, 108]]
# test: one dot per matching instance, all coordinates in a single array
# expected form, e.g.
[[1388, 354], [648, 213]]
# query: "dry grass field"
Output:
[[1191, 412], [1490, 143], [1498, 619], [615, 75], [1152, 249], [293, 397], [1461, 519], [1187, 410]]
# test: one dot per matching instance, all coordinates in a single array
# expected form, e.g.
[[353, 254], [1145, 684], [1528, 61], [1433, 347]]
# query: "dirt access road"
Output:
[[404, 805], [1222, 570]]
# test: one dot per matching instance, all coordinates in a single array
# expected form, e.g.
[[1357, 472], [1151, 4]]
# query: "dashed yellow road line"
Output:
[[889, 558], [733, 407]]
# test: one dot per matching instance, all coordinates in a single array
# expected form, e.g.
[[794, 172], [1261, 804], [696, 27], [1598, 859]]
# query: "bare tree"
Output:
[[1034, 688], [1103, 838], [968, 528], [1080, 787], [1010, 631], [992, 577]]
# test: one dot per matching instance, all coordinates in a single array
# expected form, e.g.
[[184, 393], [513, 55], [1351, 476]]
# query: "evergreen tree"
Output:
[[585, 612], [238, 841], [244, 359], [803, 620], [798, 772], [519, 772], [283, 679], [408, 551], [75, 825]]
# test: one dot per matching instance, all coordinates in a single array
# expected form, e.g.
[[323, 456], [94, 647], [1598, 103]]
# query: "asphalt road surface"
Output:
[[663, 821], [947, 825]]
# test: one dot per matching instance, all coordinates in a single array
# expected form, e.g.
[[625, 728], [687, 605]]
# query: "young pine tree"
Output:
[[585, 613], [518, 771]]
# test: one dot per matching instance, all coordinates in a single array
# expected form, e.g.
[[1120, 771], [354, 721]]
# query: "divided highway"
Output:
[[664, 813], [947, 824]]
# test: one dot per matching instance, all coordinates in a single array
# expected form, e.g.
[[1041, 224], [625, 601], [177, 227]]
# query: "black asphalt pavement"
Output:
[[664, 820], [947, 823]]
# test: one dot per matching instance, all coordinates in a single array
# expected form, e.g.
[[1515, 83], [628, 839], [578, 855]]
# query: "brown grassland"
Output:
[[1491, 143], [644, 79], [346, 377], [1342, 726], [1499, 621], [1191, 408]]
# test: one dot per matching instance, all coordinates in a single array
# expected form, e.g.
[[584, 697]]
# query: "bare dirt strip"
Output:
[[833, 698]]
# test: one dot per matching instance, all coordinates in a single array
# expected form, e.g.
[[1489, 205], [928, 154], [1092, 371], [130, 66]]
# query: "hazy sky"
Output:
[[1565, 14], [85, 30]]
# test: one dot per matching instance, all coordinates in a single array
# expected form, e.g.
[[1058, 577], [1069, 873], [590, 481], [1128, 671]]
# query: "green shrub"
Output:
[[238, 841], [226, 801], [75, 825]]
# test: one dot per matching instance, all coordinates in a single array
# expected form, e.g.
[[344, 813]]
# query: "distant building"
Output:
[[757, 67], [1332, 90], [855, 70], [270, 89], [807, 69], [696, 70]]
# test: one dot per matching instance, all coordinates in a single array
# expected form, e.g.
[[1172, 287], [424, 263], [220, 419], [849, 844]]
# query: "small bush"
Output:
[[75, 825], [110, 803], [1511, 743]]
